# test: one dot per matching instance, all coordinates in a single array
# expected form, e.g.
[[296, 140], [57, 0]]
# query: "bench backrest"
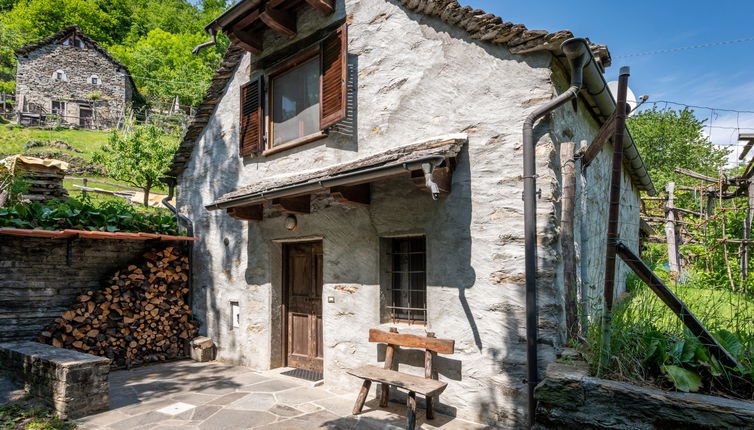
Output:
[[441, 346]]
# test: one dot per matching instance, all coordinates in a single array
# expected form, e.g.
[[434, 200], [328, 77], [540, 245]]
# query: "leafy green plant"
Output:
[[139, 155], [84, 214], [12, 186]]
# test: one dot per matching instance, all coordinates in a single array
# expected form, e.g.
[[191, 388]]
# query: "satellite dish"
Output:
[[630, 96]]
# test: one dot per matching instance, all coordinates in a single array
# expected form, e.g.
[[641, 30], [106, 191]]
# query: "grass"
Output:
[[20, 416], [649, 344], [13, 140]]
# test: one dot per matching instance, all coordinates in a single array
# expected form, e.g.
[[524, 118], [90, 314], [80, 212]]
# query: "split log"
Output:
[[140, 314]]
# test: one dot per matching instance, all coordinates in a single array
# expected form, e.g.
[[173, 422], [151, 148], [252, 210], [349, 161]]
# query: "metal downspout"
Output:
[[577, 52], [171, 182]]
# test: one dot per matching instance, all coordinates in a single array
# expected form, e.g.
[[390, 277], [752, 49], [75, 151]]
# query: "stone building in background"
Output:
[[70, 79]]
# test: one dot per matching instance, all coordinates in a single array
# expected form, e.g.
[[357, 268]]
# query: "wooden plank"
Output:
[[695, 175], [589, 153], [426, 387], [94, 181], [442, 346]]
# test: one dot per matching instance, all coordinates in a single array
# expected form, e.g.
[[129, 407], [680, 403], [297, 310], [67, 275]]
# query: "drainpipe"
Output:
[[577, 52], [182, 219]]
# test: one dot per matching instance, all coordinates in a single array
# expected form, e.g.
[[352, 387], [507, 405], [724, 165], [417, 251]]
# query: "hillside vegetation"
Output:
[[154, 38]]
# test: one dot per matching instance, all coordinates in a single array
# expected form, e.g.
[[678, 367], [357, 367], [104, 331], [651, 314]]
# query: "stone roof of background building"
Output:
[[479, 24], [62, 34]]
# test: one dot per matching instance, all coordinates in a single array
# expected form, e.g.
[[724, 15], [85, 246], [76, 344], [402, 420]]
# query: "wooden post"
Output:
[[429, 374], [747, 235], [670, 234], [411, 411], [567, 235], [83, 190], [362, 397], [389, 354], [584, 230]]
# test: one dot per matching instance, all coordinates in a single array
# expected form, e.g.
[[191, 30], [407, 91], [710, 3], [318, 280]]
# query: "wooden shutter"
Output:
[[333, 80], [252, 124]]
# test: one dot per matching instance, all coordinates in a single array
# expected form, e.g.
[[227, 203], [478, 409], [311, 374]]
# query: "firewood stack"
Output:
[[140, 316]]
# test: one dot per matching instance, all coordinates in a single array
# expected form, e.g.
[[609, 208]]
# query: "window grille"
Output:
[[407, 289]]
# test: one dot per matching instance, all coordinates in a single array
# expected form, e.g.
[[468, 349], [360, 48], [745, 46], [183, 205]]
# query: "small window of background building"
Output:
[[59, 75], [94, 79]]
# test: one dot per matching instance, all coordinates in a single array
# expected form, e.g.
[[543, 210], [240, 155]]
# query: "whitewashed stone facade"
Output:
[[71, 76], [416, 77]]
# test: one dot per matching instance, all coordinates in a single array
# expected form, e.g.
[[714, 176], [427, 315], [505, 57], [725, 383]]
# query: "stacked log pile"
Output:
[[141, 315]]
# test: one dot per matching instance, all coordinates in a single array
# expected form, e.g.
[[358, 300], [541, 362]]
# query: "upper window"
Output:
[[73, 40], [406, 283], [94, 79], [294, 102], [297, 102], [59, 75]]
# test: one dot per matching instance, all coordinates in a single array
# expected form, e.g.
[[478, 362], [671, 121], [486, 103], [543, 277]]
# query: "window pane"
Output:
[[295, 103], [408, 282]]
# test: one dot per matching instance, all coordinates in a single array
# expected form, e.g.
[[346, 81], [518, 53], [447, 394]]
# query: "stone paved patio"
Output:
[[213, 396]]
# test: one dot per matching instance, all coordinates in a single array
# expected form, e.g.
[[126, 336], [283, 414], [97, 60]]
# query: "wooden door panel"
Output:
[[303, 278]]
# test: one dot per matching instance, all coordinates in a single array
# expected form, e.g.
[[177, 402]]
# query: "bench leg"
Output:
[[362, 397], [430, 407], [411, 411], [384, 395]]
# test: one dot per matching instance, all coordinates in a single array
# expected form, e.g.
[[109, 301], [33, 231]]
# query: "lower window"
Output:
[[406, 280]]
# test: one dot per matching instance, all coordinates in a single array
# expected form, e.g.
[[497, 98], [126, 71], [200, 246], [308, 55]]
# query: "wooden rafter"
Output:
[[357, 195], [247, 213], [327, 7], [281, 21], [293, 205]]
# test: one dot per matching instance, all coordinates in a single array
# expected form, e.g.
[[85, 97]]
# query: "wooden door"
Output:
[[303, 305]]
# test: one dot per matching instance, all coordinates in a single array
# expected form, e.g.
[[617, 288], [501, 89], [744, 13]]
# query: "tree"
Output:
[[139, 155], [669, 138]]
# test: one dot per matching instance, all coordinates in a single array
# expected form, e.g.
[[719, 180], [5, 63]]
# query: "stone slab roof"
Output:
[[62, 34], [479, 24], [447, 146]]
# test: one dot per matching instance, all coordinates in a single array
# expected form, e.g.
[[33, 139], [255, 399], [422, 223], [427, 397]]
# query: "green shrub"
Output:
[[650, 345], [86, 214]]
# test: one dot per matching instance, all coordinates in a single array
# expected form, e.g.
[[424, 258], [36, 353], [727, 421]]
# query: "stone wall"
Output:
[[569, 399], [413, 78], [74, 384], [37, 284], [37, 89]]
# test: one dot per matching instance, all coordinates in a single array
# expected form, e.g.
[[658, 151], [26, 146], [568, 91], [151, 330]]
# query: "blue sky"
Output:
[[720, 77]]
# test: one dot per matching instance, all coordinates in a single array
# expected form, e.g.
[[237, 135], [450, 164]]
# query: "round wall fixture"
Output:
[[291, 222]]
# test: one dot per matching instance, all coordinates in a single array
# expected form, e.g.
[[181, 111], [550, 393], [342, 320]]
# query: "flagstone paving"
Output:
[[186, 395]]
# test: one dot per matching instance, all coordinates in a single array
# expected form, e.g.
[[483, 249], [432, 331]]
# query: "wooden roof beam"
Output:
[[281, 21], [248, 41], [327, 7]]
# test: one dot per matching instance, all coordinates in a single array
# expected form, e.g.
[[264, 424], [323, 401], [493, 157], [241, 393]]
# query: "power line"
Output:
[[170, 82], [686, 48], [668, 102]]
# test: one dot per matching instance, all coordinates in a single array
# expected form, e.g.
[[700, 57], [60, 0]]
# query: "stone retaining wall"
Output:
[[37, 283], [569, 399], [73, 383]]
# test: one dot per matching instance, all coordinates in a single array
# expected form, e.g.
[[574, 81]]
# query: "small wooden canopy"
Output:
[[246, 22]]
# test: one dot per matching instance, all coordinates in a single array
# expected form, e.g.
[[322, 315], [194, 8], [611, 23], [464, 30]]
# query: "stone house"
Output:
[[74, 78], [357, 164]]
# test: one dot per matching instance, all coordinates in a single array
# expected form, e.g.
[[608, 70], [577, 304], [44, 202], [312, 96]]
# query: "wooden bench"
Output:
[[427, 386]]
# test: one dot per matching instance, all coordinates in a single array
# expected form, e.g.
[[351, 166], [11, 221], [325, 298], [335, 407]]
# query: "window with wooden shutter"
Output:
[[333, 79], [252, 130]]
